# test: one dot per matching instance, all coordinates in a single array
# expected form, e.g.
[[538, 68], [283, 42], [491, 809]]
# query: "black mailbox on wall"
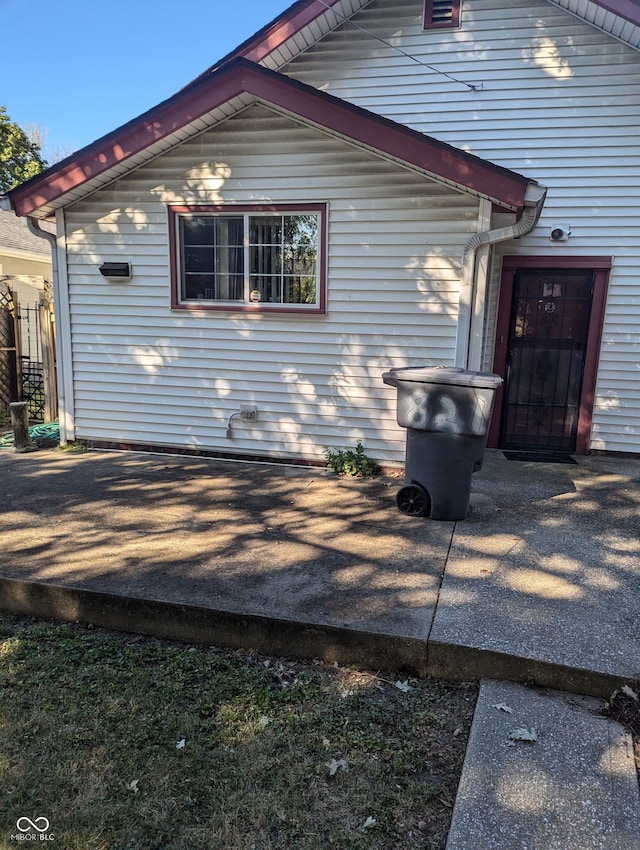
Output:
[[116, 270]]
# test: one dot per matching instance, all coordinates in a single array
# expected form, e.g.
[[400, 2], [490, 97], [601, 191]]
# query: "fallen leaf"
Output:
[[403, 686], [629, 692], [133, 786], [334, 766], [369, 823], [523, 734], [181, 744], [264, 721], [501, 706]]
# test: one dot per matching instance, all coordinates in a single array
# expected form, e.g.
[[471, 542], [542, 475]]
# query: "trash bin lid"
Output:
[[442, 375]]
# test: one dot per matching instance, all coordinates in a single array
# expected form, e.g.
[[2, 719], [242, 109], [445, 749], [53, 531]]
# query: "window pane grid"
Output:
[[268, 258]]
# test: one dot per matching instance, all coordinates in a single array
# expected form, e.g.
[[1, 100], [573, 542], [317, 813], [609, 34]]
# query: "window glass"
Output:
[[268, 258], [212, 258]]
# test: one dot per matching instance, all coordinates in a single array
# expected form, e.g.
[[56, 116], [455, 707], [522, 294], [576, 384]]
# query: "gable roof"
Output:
[[294, 30], [307, 21], [234, 86]]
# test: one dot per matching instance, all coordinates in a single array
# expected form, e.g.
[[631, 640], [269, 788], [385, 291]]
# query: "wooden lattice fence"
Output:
[[27, 352], [9, 360]]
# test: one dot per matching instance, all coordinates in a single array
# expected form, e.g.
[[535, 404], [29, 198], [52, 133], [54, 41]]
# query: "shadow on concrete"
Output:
[[540, 582]]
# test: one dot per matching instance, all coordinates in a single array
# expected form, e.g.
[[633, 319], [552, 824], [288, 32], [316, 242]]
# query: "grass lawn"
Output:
[[129, 743]]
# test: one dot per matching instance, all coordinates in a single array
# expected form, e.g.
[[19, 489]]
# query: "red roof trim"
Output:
[[626, 9], [272, 36], [395, 140], [297, 16], [300, 100], [159, 122]]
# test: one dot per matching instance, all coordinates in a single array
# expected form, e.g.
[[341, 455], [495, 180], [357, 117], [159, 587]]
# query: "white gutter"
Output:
[[533, 203], [63, 335]]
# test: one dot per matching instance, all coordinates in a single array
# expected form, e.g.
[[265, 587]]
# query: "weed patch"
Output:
[[351, 462]]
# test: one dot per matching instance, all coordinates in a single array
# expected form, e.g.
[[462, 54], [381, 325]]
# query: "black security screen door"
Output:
[[545, 363]]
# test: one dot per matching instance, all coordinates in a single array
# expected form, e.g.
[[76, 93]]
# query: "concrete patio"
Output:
[[539, 585]]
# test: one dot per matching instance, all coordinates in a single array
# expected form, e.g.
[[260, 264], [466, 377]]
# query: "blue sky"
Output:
[[80, 68]]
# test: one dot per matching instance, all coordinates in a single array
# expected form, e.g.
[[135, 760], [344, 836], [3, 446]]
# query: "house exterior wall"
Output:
[[18, 264], [555, 99], [144, 373]]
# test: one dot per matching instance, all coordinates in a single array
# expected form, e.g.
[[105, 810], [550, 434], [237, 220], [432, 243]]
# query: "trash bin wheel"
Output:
[[413, 500]]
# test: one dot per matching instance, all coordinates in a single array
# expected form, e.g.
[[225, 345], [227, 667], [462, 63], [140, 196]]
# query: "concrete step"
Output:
[[574, 786]]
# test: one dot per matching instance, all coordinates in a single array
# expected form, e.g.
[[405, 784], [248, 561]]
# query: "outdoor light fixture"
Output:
[[116, 271]]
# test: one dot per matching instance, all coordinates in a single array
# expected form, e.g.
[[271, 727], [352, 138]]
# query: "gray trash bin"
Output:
[[446, 411]]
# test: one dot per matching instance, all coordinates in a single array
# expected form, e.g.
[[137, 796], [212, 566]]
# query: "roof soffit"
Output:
[[297, 28], [308, 21], [617, 18]]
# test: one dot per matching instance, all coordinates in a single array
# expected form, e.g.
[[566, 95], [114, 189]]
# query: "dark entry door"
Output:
[[547, 343]]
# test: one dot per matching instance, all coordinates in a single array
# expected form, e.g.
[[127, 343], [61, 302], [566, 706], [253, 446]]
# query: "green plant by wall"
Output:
[[353, 462], [73, 446]]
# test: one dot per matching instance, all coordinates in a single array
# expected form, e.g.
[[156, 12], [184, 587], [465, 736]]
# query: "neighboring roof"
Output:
[[220, 94], [15, 235]]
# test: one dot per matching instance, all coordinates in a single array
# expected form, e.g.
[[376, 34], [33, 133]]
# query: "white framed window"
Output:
[[257, 257]]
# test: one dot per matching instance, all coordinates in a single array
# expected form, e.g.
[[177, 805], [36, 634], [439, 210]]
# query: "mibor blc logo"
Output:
[[32, 830]]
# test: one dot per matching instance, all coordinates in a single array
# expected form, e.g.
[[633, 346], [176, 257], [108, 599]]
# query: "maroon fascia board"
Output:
[[627, 9], [300, 14], [274, 34], [241, 76], [133, 137], [394, 139]]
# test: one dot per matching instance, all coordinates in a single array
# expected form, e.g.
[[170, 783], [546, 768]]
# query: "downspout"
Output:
[[66, 422], [533, 203]]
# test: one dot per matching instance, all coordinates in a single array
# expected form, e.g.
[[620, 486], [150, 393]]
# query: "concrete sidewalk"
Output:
[[540, 585], [544, 770]]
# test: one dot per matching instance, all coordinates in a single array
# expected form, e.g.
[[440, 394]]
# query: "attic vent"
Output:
[[441, 13]]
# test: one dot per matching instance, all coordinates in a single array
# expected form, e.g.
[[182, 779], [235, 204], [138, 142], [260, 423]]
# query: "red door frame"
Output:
[[601, 267]]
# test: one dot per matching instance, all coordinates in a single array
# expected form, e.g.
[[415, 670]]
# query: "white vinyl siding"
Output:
[[555, 99], [147, 374]]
